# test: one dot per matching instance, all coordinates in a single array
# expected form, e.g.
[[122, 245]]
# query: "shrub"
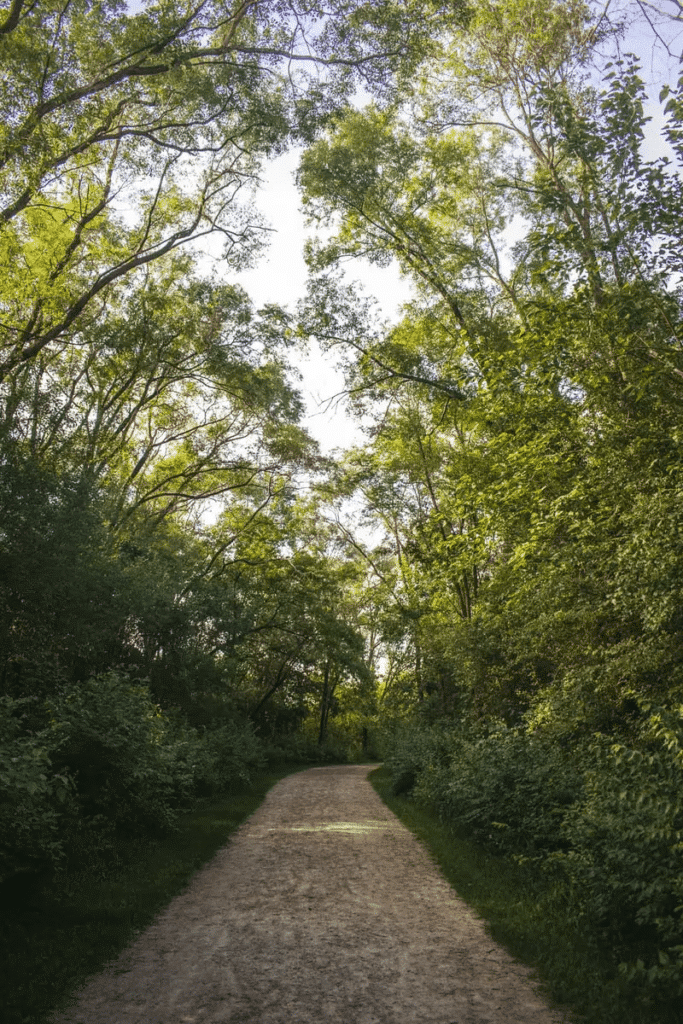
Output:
[[605, 819], [226, 756], [34, 795], [119, 748], [420, 754], [302, 748], [99, 759], [509, 790], [625, 861]]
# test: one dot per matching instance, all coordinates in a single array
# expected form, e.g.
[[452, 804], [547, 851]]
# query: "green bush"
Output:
[[604, 819], [418, 754], [625, 856], [509, 790], [99, 760], [34, 795], [228, 755], [300, 748], [120, 749]]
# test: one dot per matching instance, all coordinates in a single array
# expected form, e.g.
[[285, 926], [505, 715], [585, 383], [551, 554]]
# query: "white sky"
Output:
[[281, 277]]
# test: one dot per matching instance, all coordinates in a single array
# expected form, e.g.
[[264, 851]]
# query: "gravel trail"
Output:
[[322, 909]]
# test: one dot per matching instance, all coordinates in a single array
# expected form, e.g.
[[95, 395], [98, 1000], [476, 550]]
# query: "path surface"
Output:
[[322, 909]]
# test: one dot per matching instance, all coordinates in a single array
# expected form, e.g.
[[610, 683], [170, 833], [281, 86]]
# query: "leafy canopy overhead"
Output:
[[129, 132]]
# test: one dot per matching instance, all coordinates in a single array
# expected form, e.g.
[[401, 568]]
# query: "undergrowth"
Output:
[[526, 911], [58, 929]]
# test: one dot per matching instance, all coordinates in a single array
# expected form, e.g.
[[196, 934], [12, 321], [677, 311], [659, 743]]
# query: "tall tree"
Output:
[[549, 367]]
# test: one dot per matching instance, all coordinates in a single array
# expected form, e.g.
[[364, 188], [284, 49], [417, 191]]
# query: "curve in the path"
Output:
[[322, 909]]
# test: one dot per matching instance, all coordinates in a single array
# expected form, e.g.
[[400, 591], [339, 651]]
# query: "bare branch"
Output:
[[13, 16]]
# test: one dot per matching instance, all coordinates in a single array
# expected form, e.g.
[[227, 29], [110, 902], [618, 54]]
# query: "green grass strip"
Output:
[[524, 911], [68, 929]]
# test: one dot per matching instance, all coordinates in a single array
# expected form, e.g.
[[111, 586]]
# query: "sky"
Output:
[[280, 277]]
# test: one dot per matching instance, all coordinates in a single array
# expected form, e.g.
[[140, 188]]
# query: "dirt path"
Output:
[[323, 909]]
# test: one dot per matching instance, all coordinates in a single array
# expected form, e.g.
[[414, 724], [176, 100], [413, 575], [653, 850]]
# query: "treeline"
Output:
[[172, 611], [524, 458]]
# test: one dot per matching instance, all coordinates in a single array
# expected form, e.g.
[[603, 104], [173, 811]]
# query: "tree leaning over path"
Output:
[[132, 132]]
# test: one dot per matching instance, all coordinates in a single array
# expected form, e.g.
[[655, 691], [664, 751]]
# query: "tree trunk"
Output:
[[325, 701]]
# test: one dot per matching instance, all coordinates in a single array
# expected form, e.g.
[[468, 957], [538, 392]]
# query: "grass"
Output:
[[65, 929], [525, 911]]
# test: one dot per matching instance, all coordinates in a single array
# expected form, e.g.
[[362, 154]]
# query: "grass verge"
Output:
[[525, 911], [63, 931]]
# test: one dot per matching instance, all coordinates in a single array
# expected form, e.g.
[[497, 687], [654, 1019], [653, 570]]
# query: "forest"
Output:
[[487, 593]]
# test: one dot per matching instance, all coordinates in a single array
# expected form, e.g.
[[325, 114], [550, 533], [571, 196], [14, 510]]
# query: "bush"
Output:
[[300, 748], [121, 751], [347, 733], [101, 759], [509, 790], [605, 819], [625, 861], [35, 795], [419, 754], [228, 755]]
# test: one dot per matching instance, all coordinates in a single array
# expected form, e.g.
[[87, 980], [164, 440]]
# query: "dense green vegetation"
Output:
[[185, 591], [170, 612], [523, 463], [552, 874]]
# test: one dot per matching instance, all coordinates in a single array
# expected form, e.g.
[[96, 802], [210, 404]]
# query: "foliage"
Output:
[[117, 746], [526, 406], [624, 854], [303, 748], [56, 577], [526, 910], [131, 133], [507, 789], [106, 761], [603, 821], [182, 588], [36, 794], [226, 756]]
